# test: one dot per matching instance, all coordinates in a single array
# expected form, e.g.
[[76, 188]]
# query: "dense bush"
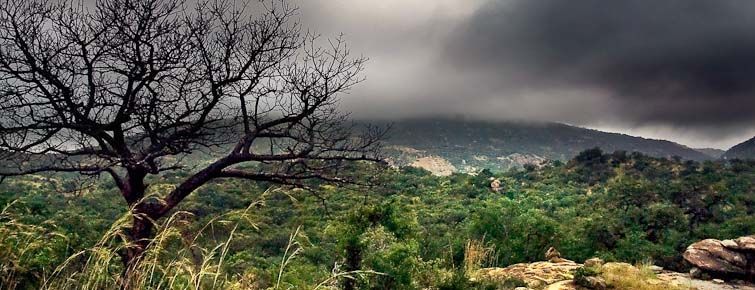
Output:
[[409, 233]]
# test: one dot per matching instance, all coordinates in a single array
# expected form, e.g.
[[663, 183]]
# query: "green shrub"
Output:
[[581, 274]]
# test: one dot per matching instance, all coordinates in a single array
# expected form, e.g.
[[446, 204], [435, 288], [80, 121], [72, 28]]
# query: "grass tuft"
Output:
[[622, 276], [477, 255]]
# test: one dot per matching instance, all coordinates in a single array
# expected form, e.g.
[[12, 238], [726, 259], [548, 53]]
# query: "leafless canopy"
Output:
[[121, 87]]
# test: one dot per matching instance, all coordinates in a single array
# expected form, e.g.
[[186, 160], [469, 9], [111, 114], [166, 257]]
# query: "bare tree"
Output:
[[127, 87]]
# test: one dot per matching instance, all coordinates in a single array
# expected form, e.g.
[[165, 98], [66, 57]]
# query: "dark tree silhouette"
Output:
[[126, 88]]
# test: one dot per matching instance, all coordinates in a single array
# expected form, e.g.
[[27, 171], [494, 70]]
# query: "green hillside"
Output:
[[470, 145], [744, 150]]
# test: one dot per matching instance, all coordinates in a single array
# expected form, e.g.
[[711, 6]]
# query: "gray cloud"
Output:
[[678, 63], [677, 69], [682, 70]]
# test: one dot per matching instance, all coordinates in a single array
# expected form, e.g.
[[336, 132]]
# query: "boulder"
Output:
[[596, 283], [553, 256], [729, 244], [695, 272], [746, 243], [656, 269], [594, 263], [495, 184], [728, 257], [552, 253]]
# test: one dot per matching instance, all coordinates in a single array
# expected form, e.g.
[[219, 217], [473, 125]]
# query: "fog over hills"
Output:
[[673, 70], [712, 152], [448, 144]]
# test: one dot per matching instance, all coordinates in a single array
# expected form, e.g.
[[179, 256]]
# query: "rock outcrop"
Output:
[[558, 273], [537, 275], [495, 184], [611, 275], [439, 166], [594, 262], [724, 258], [554, 256]]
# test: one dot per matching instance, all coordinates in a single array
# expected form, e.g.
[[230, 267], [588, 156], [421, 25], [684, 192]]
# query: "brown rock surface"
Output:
[[594, 263], [435, 164], [536, 275], [558, 276], [562, 285], [727, 257], [746, 243], [683, 280], [554, 256], [596, 283]]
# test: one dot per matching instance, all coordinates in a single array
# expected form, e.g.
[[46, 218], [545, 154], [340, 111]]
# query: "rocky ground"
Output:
[[561, 274], [435, 164], [537, 275], [686, 281]]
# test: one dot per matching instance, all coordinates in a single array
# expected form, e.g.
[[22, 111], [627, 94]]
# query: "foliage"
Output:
[[416, 231], [26, 250]]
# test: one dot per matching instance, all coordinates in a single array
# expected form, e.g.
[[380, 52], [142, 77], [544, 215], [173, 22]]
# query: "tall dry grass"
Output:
[[21, 244], [622, 276], [174, 259], [477, 255]]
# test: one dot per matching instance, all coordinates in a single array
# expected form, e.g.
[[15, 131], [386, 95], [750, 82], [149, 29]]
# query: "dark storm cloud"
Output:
[[682, 70], [678, 63]]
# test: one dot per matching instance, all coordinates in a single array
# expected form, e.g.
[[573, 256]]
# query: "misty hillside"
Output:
[[712, 152], [457, 144], [744, 150]]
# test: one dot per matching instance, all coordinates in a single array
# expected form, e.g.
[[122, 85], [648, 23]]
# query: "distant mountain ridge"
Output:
[[500, 145], [744, 150], [712, 152]]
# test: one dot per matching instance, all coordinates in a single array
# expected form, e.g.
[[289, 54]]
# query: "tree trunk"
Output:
[[140, 234], [138, 238], [353, 263]]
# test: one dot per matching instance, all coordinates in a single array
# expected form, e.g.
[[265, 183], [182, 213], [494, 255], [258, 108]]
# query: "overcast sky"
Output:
[[682, 70]]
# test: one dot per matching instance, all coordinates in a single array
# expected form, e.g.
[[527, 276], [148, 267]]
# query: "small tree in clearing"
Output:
[[127, 88]]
